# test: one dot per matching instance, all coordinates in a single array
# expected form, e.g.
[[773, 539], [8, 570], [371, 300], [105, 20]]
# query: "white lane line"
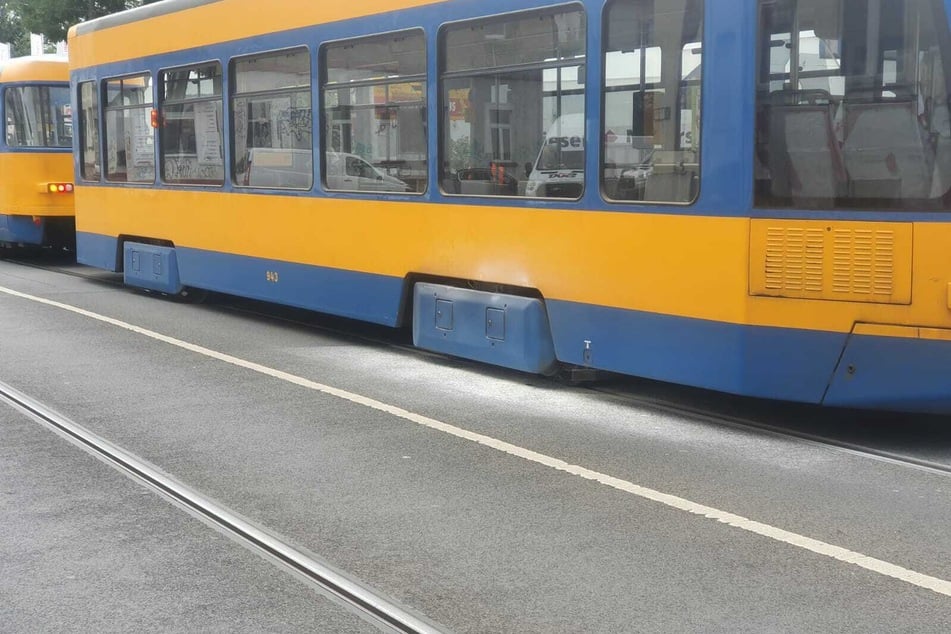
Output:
[[941, 586]]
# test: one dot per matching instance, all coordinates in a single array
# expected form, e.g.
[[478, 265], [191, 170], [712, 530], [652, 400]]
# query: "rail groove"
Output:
[[368, 604]]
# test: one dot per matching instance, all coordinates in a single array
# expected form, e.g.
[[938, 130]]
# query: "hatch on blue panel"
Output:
[[151, 267], [495, 323], [443, 314], [505, 330]]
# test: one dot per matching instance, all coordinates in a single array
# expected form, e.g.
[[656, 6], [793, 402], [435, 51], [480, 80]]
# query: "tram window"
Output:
[[513, 118], [852, 105], [272, 121], [89, 162], [130, 145], [374, 113], [191, 147], [38, 116], [651, 123]]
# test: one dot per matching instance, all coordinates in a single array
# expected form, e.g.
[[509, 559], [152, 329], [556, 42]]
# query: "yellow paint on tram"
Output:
[[211, 23]]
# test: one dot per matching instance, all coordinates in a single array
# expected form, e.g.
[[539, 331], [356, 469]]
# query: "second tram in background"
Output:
[[36, 169], [751, 196]]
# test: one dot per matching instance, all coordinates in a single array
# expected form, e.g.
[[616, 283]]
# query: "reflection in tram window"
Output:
[[852, 105], [38, 116], [191, 147], [89, 160], [374, 96], [272, 120], [651, 128], [130, 139], [513, 105]]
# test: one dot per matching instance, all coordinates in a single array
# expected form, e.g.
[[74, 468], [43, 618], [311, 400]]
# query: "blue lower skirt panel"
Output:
[[152, 267], [97, 250], [774, 363], [20, 229], [894, 373], [503, 330], [363, 296]]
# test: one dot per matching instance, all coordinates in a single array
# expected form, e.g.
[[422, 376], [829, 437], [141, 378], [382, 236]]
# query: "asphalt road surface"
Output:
[[485, 500]]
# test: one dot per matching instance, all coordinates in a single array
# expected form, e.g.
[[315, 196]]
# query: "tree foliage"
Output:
[[12, 30], [52, 18]]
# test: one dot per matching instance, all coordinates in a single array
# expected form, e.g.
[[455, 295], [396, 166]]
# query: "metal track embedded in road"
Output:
[[739, 422], [370, 605]]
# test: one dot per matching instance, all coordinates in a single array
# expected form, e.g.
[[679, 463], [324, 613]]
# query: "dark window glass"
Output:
[[374, 100], [272, 121], [130, 141], [89, 161], [651, 124], [191, 145], [513, 120], [38, 116], [852, 105]]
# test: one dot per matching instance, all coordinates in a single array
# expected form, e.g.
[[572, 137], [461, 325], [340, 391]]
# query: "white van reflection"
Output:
[[282, 168], [288, 168], [558, 171], [349, 172]]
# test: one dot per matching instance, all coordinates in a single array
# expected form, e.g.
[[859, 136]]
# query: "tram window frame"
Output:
[[284, 167], [348, 83], [116, 86], [38, 97], [483, 146], [637, 177], [89, 139], [195, 146]]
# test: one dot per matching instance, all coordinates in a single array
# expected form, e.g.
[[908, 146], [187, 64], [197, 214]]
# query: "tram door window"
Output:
[[651, 125], [89, 161], [130, 144], [512, 90], [272, 120], [852, 104], [374, 113], [38, 116], [191, 148]]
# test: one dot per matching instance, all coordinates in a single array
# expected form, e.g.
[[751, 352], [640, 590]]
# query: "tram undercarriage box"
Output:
[[151, 267], [506, 330]]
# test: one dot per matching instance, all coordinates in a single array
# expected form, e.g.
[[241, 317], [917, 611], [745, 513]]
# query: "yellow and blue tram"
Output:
[[36, 166], [750, 196]]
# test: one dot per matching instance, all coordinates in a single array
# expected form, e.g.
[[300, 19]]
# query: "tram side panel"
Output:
[[629, 280]]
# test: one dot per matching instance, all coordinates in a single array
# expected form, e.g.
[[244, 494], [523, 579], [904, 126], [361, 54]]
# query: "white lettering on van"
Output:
[[576, 142]]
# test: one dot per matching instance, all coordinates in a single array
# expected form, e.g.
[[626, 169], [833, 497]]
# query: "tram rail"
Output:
[[329, 582]]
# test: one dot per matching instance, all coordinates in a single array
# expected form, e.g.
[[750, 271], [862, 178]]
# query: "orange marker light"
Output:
[[156, 119], [60, 188]]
